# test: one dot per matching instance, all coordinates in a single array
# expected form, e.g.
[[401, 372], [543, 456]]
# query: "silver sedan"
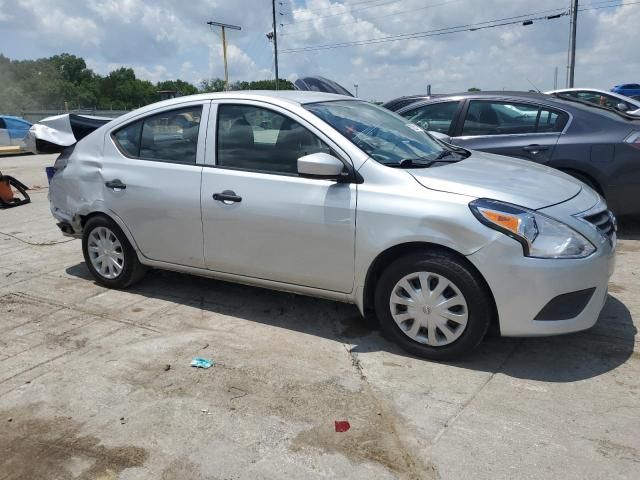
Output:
[[330, 196]]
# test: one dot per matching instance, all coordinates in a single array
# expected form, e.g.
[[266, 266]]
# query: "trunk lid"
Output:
[[53, 134], [485, 175]]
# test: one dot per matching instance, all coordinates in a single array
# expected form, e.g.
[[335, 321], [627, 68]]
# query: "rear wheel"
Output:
[[433, 305], [109, 255]]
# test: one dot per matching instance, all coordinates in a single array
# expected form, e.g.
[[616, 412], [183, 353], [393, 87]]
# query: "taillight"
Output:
[[63, 159], [633, 139]]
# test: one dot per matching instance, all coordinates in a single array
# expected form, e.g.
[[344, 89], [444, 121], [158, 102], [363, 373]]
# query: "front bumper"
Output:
[[523, 286]]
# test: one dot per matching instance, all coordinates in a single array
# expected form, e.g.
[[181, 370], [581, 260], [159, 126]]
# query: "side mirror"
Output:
[[622, 107], [320, 165], [440, 136]]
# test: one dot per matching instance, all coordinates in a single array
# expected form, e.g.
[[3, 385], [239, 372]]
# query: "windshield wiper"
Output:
[[409, 163], [422, 162]]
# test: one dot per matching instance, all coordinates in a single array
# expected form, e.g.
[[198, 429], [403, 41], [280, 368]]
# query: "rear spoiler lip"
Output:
[[53, 134]]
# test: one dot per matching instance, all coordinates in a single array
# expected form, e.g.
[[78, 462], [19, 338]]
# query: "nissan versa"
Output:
[[330, 196]]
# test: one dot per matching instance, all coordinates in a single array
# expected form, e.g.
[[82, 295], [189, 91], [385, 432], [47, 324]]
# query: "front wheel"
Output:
[[109, 255], [433, 305]]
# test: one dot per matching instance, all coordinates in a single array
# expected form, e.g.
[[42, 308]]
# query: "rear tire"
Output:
[[433, 305], [108, 254]]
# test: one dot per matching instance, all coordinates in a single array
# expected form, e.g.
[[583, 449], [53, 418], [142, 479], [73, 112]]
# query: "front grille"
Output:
[[604, 221]]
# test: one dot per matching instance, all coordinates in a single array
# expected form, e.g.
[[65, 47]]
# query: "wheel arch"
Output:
[[388, 256], [577, 173], [80, 220]]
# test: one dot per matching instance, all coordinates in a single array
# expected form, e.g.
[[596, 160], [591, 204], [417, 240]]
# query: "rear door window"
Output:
[[435, 117], [170, 136], [510, 118]]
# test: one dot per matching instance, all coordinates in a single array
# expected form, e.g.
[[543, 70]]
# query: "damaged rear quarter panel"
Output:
[[78, 189]]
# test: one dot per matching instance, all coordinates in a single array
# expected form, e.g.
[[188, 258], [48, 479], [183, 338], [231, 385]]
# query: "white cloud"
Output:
[[164, 39]]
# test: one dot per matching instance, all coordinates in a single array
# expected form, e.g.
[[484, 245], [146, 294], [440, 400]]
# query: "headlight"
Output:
[[540, 236]]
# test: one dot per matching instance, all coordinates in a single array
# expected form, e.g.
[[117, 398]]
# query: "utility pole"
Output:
[[555, 78], [224, 47], [275, 42], [571, 67], [355, 85]]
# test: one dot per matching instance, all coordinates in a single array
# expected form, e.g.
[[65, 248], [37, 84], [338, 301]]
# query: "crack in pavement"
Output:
[[449, 423]]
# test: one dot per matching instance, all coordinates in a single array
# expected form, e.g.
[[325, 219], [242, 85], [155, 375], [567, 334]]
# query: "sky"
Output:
[[166, 39]]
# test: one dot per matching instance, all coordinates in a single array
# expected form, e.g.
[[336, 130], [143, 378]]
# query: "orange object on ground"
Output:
[[9, 185], [6, 192]]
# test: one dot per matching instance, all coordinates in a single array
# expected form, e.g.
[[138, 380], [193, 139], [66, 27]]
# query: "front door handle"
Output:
[[228, 197], [535, 148], [115, 184]]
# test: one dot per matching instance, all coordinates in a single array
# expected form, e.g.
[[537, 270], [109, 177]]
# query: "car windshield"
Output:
[[384, 136], [604, 109]]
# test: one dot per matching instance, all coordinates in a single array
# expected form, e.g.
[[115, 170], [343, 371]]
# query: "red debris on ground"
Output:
[[342, 426]]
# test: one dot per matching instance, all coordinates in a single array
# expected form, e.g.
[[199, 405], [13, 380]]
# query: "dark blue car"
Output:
[[13, 130], [628, 89]]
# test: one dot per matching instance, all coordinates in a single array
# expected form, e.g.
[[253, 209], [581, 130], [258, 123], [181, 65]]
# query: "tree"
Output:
[[217, 85], [64, 80], [474, 89], [180, 86], [212, 85]]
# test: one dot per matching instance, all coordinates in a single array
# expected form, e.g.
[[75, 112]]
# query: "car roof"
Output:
[[549, 100], [298, 97]]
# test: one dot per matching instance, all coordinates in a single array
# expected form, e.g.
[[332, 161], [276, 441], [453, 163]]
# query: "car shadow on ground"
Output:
[[565, 358], [629, 228]]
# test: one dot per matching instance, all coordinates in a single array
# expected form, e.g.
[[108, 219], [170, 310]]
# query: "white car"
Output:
[[602, 97]]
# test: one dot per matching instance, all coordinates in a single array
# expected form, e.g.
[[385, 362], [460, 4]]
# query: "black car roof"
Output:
[[551, 100]]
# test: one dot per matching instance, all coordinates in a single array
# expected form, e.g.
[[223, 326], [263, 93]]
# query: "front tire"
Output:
[[433, 305], [108, 254]]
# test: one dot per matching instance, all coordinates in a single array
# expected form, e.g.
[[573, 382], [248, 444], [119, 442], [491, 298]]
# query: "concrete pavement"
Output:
[[96, 383]]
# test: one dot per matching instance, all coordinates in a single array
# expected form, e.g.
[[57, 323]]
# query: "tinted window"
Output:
[[436, 117], [2, 124], [171, 136], [253, 138], [504, 118], [601, 99], [128, 138]]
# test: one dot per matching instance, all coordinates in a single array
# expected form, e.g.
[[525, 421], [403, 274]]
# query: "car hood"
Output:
[[485, 175]]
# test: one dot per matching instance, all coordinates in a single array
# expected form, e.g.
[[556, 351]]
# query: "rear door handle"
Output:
[[115, 184], [228, 197], [535, 148]]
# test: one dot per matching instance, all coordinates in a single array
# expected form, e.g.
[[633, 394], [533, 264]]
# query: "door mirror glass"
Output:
[[320, 165]]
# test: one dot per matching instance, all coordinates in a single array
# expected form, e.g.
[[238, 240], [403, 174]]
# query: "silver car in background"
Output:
[[330, 196]]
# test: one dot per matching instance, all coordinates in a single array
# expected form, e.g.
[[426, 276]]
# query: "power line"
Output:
[[427, 33], [455, 29]]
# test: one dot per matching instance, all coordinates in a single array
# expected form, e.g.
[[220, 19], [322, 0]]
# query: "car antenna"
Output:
[[537, 89]]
